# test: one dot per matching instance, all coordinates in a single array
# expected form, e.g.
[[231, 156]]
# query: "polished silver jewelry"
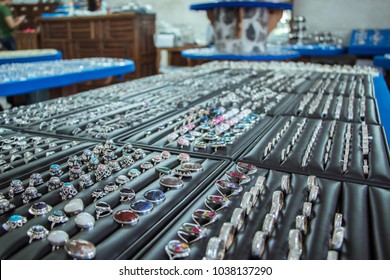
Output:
[[258, 244], [15, 221], [80, 249], [204, 217], [30, 193], [237, 218], [247, 202], [190, 233], [37, 232], [227, 234], [215, 249], [39, 209], [176, 249], [84, 220], [57, 217], [57, 238], [102, 209]]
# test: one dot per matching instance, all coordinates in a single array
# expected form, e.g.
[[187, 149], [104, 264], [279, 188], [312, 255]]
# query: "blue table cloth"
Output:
[[24, 56]]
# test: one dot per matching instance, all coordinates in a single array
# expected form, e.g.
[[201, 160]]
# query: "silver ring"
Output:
[[14, 222], [80, 249], [5, 205], [301, 223], [133, 173], [192, 166], [258, 244], [255, 191], [312, 181], [57, 238], [15, 157], [295, 240], [268, 224], [338, 220], [110, 187], [102, 209], [122, 180], [180, 172], [68, 191], [190, 233], [215, 249], [30, 193], [278, 198], [98, 193], [237, 219], [306, 209], [176, 249], [126, 195], [204, 217], [227, 234], [126, 217], [171, 182], [217, 202], [247, 202], [145, 166], [163, 171], [37, 232], [74, 207], [84, 221], [332, 255], [313, 193], [246, 168], [337, 238], [275, 210], [39, 209], [227, 188], [57, 217], [286, 184], [183, 157], [15, 187]]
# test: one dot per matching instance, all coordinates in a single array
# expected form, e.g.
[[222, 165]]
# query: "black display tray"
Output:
[[379, 168], [112, 240], [369, 115], [351, 200]]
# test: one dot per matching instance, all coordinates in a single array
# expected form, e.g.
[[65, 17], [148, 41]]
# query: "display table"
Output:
[[212, 54], [27, 77], [382, 61], [282, 160], [369, 42], [316, 50], [23, 56]]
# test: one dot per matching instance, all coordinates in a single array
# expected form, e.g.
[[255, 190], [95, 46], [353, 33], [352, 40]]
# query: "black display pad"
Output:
[[112, 240], [334, 197], [378, 159]]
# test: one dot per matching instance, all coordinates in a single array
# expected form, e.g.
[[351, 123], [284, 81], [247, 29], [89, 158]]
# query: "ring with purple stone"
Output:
[[204, 217], [39, 209]]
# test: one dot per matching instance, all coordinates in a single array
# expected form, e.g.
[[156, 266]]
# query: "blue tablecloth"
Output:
[[383, 99], [316, 50], [213, 54], [382, 61], [29, 56], [370, 42], [236, 4], [80, 70]]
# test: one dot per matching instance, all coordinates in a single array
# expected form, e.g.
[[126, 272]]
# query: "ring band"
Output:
[[204, 217], [258, 244], [237, 219], [190, 233], [227, 234], [37, 232], [268, 224], [215, 249], [247, 202], [102, 209]]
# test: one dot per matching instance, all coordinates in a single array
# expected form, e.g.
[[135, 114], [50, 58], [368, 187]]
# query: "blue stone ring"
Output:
[[14, 222], [37, 232], [142, 207], [155, 196]]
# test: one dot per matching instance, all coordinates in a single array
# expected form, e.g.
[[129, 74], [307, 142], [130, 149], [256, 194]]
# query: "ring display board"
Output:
[[291, 162], [382, 61]]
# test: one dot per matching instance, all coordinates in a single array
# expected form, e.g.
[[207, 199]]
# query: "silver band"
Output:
[[286, 184], [237, 219], [337, 238], [301, 223], [338, 220], [332, 255], [306, 209], [215, 249], [247, 202], [268, 224], [258, 244], [295, 240], [227, 234]]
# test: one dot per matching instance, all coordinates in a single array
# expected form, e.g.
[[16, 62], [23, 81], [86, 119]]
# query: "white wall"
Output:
[[176, 12], [341, 16]]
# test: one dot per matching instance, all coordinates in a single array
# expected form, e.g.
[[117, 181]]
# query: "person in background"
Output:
[[97, 5], [8, 24]]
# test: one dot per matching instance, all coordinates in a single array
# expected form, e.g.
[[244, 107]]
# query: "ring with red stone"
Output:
[[176, 249], [126, 217], [190, 233], [246, 168], [183, 157], [216, 202], [80, 249], [165, 155], [204, 217]]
